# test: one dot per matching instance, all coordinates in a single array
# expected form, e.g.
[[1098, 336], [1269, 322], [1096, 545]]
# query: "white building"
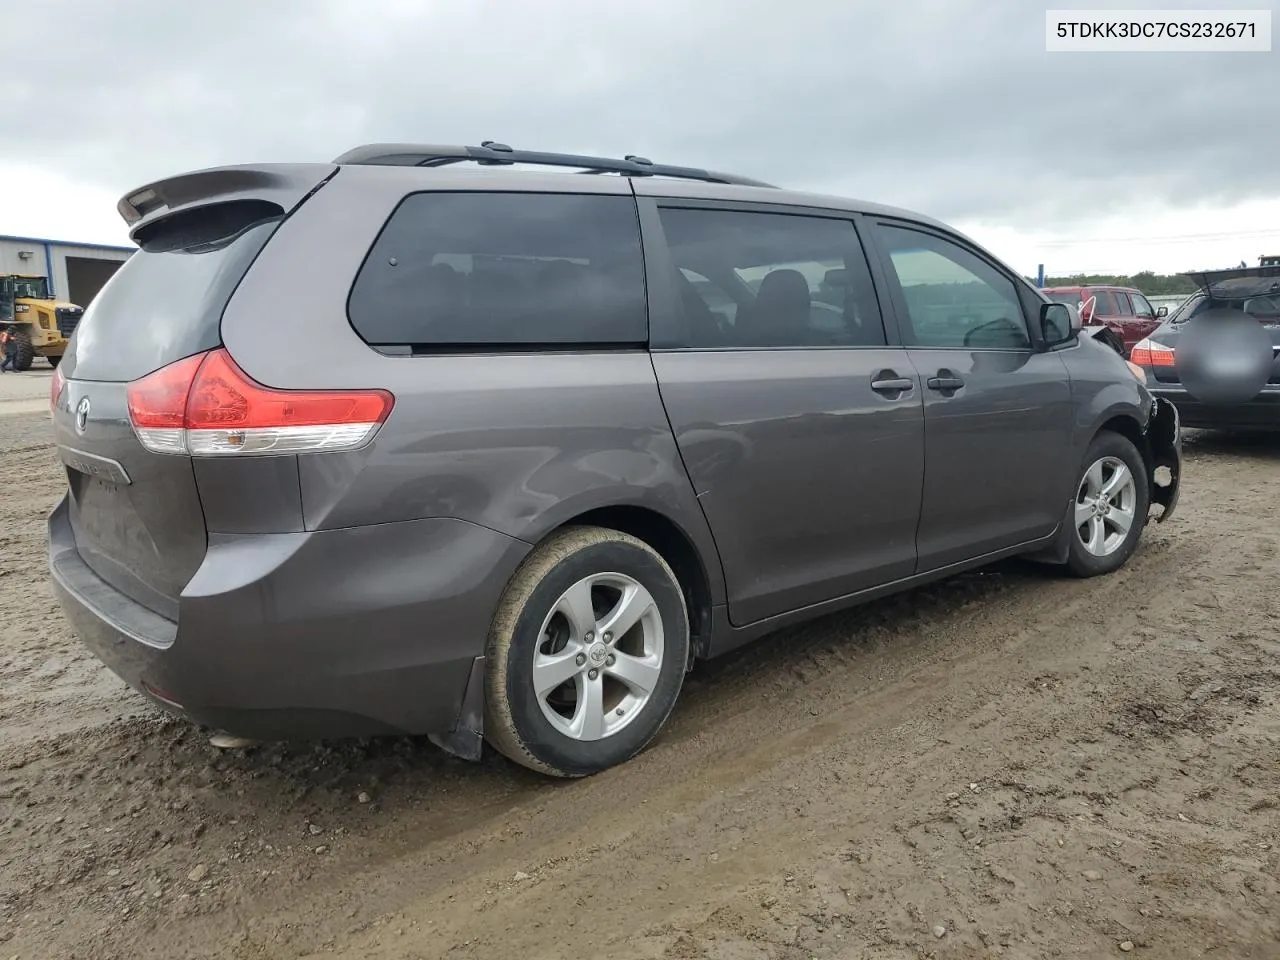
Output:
[[76, 271]]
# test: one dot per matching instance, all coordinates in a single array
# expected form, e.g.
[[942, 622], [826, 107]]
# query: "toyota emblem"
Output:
[[82, 415]]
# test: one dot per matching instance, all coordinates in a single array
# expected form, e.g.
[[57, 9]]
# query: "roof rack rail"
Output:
[[491, 153]]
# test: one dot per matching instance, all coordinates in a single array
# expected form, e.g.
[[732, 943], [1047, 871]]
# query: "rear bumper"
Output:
[[352, 632], [1260, 413]]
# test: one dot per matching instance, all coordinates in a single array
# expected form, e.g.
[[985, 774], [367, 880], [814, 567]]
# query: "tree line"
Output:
[[1150, 284]]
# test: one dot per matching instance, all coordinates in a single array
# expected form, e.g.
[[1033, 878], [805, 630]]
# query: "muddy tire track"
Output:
[[1007, 764]]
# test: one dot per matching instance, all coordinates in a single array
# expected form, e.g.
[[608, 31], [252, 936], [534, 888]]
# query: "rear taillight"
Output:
[[158, 405], [205, 405], [1148, 353], [55, 387]]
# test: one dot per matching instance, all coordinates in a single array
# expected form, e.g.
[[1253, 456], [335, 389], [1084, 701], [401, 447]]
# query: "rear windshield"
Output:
[[1263, 309], [166, 302]]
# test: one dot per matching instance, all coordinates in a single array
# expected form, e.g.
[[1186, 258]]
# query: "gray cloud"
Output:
[[951, 107]]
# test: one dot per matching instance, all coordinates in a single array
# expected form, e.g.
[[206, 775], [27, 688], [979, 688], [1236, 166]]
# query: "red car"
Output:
[[1124, 311]]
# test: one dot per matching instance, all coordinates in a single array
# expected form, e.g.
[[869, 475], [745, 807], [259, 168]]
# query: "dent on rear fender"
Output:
[[1164, 437]]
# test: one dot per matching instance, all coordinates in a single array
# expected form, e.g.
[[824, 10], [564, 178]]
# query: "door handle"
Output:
[[944, 381], [886, 381]]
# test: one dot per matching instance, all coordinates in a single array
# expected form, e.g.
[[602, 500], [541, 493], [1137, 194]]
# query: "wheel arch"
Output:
[[1120, 419], [675, 546], [1126, 424], [1159, 446]]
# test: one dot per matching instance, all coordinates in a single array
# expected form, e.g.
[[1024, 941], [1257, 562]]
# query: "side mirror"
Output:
[[1162, 312], [1058, 323]]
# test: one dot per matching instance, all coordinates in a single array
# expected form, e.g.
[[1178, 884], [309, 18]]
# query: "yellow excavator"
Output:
[[40, 325]]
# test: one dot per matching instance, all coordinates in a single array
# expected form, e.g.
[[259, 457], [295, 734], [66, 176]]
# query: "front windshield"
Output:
[[33, 288], [1071, 298]]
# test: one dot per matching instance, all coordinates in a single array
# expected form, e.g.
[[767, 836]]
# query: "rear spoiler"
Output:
[[285, 185]]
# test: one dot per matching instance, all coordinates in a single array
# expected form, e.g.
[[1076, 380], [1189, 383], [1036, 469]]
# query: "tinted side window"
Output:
[[1104, 304], [504, 269], [771, 280], [953, 298], [1122, 300], [1142, 307]]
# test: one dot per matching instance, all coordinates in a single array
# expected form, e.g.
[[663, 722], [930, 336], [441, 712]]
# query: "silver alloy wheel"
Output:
[[1106, 506], [599, 656]]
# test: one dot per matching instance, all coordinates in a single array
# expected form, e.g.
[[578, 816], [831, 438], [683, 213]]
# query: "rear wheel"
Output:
[[587, 653], [1110, 507], [24, 353]]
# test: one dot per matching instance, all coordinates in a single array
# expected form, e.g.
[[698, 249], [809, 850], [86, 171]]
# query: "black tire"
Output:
[[1080, 561], [24, 353], [515, 723]]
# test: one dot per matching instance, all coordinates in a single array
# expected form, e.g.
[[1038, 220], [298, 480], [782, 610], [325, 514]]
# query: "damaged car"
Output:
[[1217, 356], [452, 440], [1118, 316]]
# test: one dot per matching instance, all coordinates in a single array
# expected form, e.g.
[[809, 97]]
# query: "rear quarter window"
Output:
[[503, 269]]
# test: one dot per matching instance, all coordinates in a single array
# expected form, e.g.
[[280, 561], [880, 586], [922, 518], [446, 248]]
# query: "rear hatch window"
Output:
[[166, 302]]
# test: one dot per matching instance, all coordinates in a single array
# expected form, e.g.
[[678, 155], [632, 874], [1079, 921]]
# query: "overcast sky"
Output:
[[1086, 162]]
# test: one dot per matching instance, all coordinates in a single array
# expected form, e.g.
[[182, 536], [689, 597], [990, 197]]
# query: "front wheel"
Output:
[[1110, 508], [23, 352], [587, 653]]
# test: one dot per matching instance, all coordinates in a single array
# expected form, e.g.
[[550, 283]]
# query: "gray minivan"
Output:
[[434, 440]]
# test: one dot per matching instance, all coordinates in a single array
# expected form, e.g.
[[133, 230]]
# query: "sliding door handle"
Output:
[[892, 384], [944, 383], [889, 385]]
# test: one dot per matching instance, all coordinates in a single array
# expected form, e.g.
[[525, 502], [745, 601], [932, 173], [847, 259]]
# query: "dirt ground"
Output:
[[25, 392], [1009, 764]]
